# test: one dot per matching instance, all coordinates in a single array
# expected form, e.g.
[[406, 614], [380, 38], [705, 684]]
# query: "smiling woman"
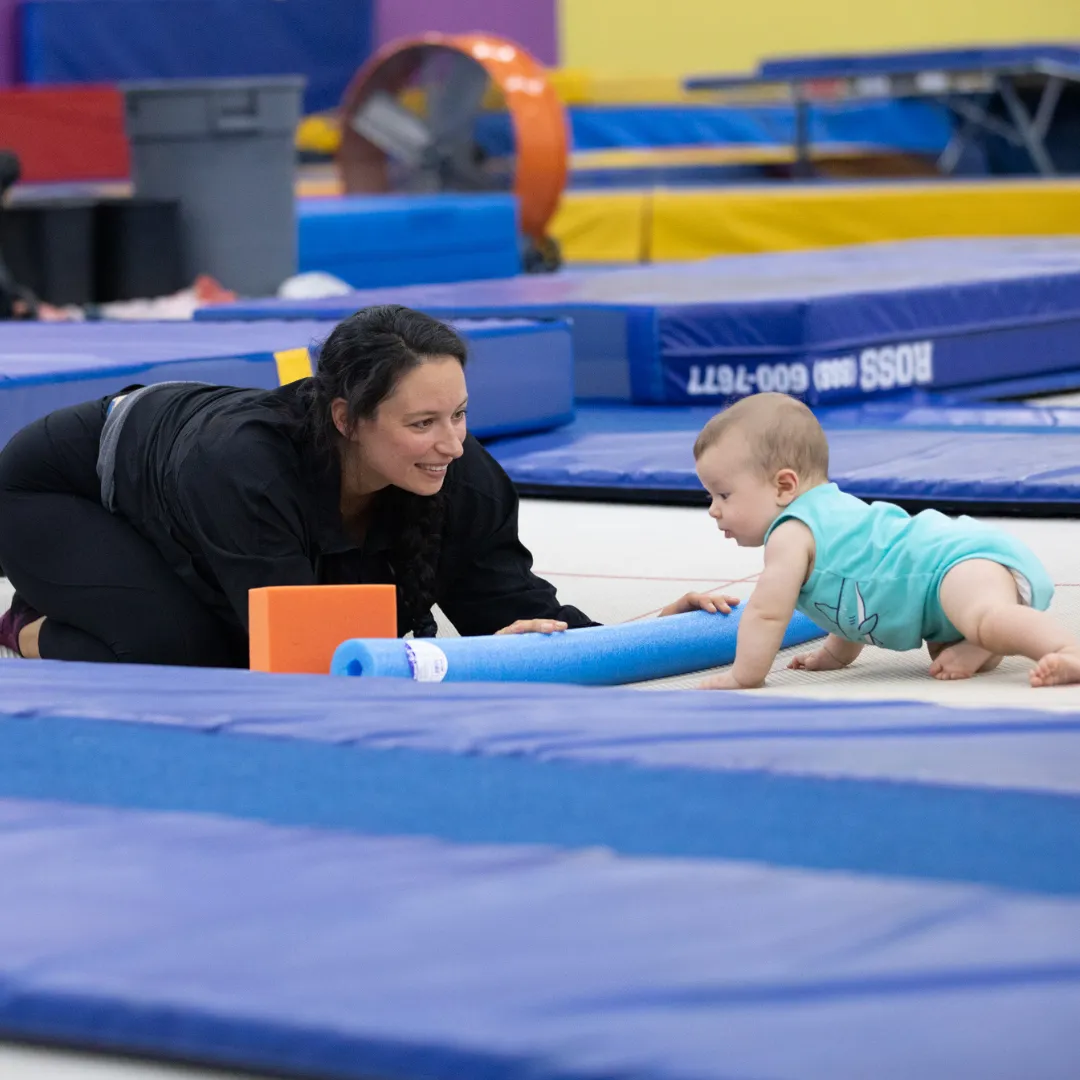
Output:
[[133, 527]]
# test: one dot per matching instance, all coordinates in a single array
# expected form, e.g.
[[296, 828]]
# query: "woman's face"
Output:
[[415, 433]]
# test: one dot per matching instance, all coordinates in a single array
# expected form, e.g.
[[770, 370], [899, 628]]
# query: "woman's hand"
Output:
[[533, 626], [703, 601]]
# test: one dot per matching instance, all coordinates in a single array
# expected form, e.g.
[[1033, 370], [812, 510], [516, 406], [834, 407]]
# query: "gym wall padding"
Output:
[[700, 36], [125, 40]]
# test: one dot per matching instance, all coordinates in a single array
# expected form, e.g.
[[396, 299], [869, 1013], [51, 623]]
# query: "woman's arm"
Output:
[[486, 583]]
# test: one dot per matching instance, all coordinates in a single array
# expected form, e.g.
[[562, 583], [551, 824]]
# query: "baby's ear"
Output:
[[787, 486]]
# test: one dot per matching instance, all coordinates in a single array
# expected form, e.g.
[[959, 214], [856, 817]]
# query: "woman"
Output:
[[132, 528]]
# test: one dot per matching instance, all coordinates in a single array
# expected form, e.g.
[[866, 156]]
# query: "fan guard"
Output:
[[387, 145]]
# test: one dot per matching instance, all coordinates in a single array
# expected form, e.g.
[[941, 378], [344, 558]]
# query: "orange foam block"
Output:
[[296, 628]]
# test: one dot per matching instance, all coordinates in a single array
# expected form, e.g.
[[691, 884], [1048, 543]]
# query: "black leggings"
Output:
[[106, 593]]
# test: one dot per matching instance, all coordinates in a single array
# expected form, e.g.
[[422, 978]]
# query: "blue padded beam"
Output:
[[593, 656]]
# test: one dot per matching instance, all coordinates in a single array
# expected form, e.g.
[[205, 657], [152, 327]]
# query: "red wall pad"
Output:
[[65, 133]]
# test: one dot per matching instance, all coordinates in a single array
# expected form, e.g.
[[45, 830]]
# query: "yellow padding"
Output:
[[319, 133], [697, 223], [603, 227], [292, 364]]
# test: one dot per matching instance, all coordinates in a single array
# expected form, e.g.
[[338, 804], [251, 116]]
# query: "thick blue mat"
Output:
[[1009, 458], [838, 325], [380, 240], [520, 373], [338, 878], [326, 955], [989, 797]]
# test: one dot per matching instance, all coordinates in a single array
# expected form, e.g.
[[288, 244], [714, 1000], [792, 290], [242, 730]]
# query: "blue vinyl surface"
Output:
[[839, 325], [336, 956], [591, 656], [985, 455], [914, 127], [354, 878], [381, 240], [520, 373], [109, 41]]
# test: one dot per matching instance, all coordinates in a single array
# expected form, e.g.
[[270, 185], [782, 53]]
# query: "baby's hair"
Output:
[[782, 432]]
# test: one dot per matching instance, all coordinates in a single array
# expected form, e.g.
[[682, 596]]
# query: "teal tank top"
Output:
[[877, 569]]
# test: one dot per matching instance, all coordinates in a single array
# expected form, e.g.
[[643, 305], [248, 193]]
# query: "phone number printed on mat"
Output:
[[885, 368], [740, 380]]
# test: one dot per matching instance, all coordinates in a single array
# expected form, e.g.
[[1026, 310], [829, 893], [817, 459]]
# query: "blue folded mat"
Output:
[[592, 656]]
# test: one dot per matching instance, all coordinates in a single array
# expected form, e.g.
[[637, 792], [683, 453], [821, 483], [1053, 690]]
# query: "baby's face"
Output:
[[744, 503]]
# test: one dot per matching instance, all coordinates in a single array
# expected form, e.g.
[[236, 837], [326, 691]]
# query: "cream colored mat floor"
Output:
[[621, 562]]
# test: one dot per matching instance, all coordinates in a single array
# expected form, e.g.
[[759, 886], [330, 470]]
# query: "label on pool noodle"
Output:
[[427, 661]]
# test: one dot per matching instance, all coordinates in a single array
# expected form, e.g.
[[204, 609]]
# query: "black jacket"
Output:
[[222, 483]]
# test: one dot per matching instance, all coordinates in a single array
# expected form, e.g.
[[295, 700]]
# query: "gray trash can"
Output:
[[225, 149]]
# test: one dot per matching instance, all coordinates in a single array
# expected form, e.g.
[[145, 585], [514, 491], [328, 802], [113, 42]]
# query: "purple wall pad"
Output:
[[530, 23]]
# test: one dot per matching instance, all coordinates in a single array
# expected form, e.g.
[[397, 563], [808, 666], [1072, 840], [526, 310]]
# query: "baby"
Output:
[[869, 574]]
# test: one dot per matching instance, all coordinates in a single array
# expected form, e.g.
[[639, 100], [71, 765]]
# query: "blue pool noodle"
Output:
[[592, 656]]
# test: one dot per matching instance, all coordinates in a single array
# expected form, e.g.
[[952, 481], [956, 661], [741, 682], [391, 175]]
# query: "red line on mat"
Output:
[[627, 577], [713, 588]]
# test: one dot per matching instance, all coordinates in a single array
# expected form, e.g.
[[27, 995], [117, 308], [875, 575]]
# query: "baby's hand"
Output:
[[724, 681], [694, 601], [818, 660]]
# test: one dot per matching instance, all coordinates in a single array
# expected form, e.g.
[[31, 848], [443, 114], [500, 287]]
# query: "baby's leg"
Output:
[[960, 660], [979, 598]]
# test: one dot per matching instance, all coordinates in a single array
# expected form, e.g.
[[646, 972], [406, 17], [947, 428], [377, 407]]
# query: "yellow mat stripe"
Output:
[[292, 364]]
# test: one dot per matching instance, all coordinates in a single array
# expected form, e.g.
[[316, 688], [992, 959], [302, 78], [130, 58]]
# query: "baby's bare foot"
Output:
[[1058, 667], [962, 660]]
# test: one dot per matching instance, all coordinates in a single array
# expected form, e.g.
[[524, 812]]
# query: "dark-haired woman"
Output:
[[133, 527]]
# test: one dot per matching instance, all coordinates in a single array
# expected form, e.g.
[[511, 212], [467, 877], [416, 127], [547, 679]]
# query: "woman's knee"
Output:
[[199, 643]]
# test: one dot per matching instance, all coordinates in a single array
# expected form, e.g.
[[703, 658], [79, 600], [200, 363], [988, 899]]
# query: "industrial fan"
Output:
[[413, 121]]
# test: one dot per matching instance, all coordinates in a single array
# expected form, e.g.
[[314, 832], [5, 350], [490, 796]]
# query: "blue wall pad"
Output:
[[999, 458], [593, 656], [520, 373], [838, 325], [383, 240], [108, 41], [332, 956]]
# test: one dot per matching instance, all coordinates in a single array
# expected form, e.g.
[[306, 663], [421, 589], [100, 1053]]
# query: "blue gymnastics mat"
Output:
[[382, 240], [334, 878], [995, 458], [838, 325], [520, 372]]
